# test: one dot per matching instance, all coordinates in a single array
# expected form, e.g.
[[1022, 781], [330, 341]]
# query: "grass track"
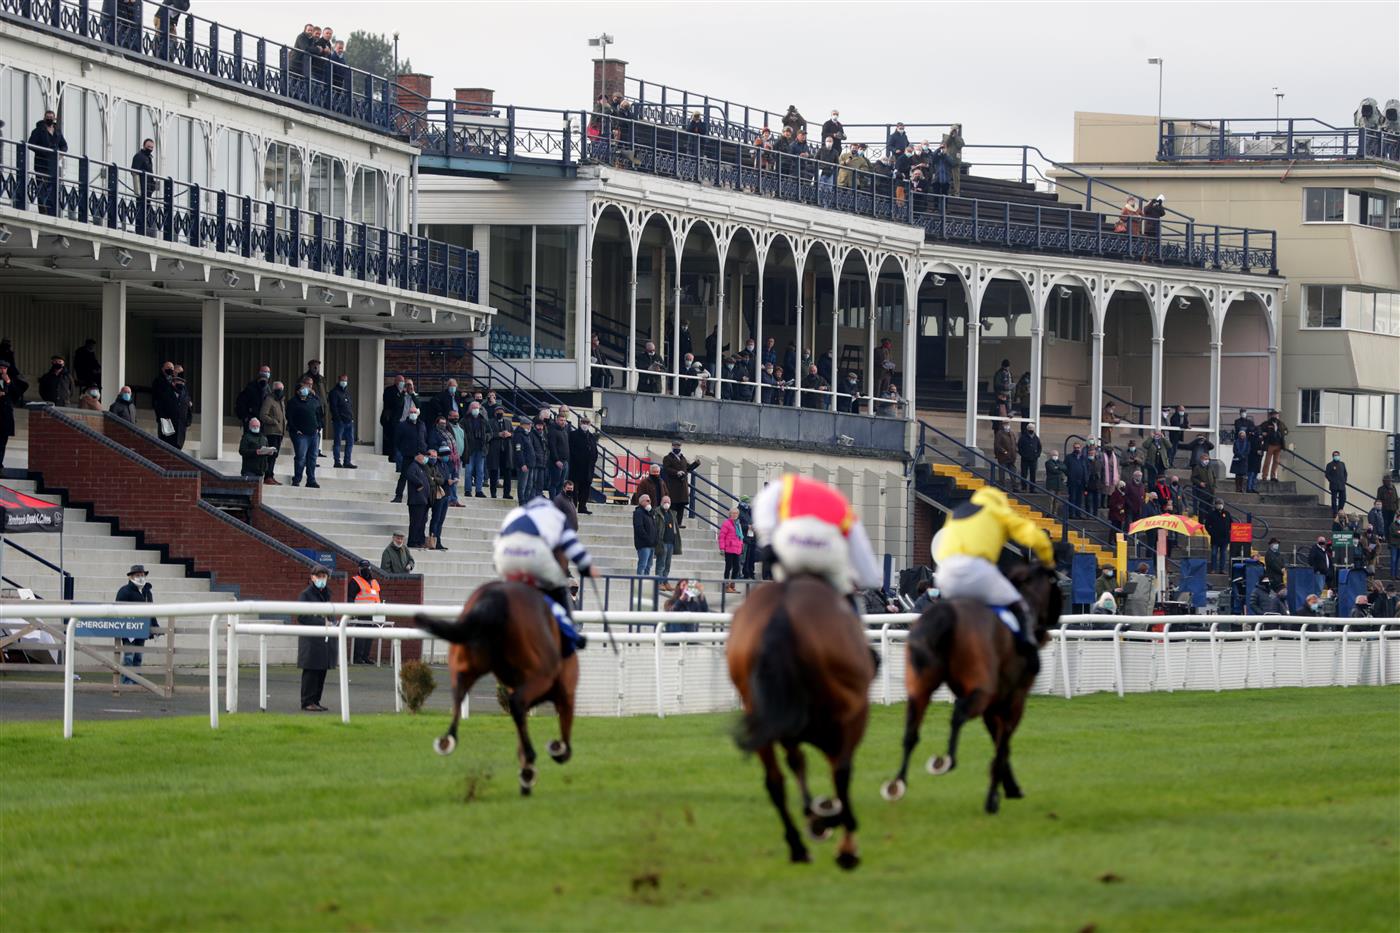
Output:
[[1251, 810]]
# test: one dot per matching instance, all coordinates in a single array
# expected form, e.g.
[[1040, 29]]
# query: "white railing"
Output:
[[662, 672]]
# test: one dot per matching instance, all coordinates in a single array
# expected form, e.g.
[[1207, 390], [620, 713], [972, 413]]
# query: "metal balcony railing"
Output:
[[1269, 139]]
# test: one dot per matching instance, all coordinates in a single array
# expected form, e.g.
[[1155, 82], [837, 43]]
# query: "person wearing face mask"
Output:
[[438, 480], [645, 534], [410, 439], [1217, 522], [165, 398], [273, 416], [583, 458], [477, 438], [250, 400], [91, 399], [143, 170], [1274, 564], [676, 470], [1336, 473], [46, 142], [418, 487], [342, 409], [389, 412], [447, 401], [123, 407], [56, 385], [1320, 561], [315, 655], [1054, 473], [1077, 469], [136, 590], [499, 463], [1203, 484], [254, 451], [303, 420], [1154, 454], [317, 381], [12, 389]]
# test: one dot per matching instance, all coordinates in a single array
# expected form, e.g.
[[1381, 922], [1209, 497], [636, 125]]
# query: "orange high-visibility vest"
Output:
[[369, 590], [808, 497]]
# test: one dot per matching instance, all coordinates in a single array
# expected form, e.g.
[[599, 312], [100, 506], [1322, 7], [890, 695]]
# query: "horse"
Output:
[[507, 629], [803, 682], [962, 643]]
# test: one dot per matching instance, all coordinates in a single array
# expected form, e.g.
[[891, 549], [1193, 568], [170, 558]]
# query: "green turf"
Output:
[[1267, 810]]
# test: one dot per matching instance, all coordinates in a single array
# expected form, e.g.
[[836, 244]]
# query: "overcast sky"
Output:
[[1009, 72]]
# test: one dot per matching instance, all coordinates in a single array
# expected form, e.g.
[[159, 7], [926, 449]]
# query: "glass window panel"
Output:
[[1334, 209], [1310, 407], [556, 303], [1314, 207], [1353, 207], [510, 291], [1375, 210], [1329, 413]]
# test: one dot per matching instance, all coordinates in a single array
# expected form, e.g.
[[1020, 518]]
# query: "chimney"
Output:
[[412, 92], [609, 77], [474, 99]]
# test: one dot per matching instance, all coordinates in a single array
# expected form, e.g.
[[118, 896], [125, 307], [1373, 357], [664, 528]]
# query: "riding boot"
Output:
[[561, 596], [1025, 643]]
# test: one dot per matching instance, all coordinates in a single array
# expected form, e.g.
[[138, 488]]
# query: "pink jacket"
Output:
[[729, 540]]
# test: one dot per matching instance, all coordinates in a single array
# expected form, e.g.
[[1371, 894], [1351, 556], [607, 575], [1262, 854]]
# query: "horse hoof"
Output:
[[800, 857], [826, 807], [445, 745], [939, 764], [527, 780], [559, 750], [818, 829], [1014, 793], [993, 803], [847, 860], [892, 790]]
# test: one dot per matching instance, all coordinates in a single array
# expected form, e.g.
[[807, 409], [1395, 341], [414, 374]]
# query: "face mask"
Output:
[[1336, 459], [452, 388], [49, 122], [319, 583], [276, 393], [263, 377], [342, 383], [647, 507], [1274, 548], [475, 413], [94, 393], [1132, 447], [139, 581], [126, 396], [413, 416], [1205, 462], [303, 391], [254, 430]]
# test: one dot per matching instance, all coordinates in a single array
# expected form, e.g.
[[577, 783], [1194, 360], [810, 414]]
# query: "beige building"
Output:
[[1338, 222]]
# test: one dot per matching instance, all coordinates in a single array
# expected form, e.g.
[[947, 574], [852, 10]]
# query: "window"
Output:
[[80, 116], [21, 101], [325, 192], [1374, 212], [1067, 317], [556, 267], [133, 124], [1367, 410], [510, 290], [371, 199], [534, 279], [1324, 205], [1323, 304], [1351, 308], [182, 153], [235, 164], [282, 175]]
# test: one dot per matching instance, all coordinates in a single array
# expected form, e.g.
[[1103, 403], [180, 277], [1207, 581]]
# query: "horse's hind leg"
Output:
[[773, 781], [996, 721], [563, 696], [462, 681], [920, 693], [1012, 720], [966, 707], [818, 823], [519, 712], [848, 854]]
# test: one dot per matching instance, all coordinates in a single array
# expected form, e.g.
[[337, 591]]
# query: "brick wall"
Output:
[[925, 521], [428, 362]]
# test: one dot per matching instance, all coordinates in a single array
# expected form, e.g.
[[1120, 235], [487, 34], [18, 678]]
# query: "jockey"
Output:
[[526, 548], [811, 528], [967, 548]]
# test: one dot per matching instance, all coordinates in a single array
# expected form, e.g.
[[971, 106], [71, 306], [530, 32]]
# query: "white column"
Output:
[[631, 382], [714, 365], [1275, 388], [1214, 418], [313, 344], [1037, 369], [211, 380], [1096, 385], [583, 318], [113, 340], [974, 347], [758, 330], [835, 356], [801, 338], [870, 345], [675, 349], [1154, 417], [369, 390], [911, 346]]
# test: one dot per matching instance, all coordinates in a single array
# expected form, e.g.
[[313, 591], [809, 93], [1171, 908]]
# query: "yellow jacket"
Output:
[[981, 528]]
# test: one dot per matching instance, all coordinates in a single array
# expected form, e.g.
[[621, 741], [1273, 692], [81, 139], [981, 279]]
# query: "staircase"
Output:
[[965, 480]]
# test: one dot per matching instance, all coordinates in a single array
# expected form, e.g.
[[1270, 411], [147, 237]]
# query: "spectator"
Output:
[[1155, 460], [1128, 221], [676, 470], [1239, 461], [1029, 447], [645, 531], [602, 377], [793, 121], [135, 590], [649, 362], [1336, 473], [1274, 565], [12, 390], [250, 400], [557, 437], [898, 140], [1389, 502], [184, 406], [254, 450], [273, 415], [1134, 496], [1201, 445], [1004, 450], [143, 181], [668, 540], [46, 141], [1274, 433], [689, 597], [1054, 473], [366, 590], [746, 531], [1217, 522], [925, 594], [1180, 423], [1320, 561], [91, 399], [1361, 609], [123, 407], [419, 490], [1106, 474], [1003, 380], [1203, 483], [1377, 520], [410, 439], [87, 371], [952, 149], [1109, 418], [316, 381], [522, 451], [1264, 599], [1118, 506], [303, 416], [477, 434], [583, 459], [832, 129], [56, 385], [435, 470], [303, 48], [1393, 539], [1077, 468], [731, 545], [1141, 595], [165, 398], [393, 409], [540, 444], [396, 557], [342, 410], [500, 459], [1154, 211], [315, 656]]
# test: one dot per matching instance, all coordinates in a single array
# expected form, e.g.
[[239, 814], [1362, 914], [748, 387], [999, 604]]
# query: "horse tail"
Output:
[[932, 635], [776, 687], [482, 625]]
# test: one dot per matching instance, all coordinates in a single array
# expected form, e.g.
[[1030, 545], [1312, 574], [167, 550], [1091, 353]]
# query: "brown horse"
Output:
[[962, 643], [506, 629], [802, 666]]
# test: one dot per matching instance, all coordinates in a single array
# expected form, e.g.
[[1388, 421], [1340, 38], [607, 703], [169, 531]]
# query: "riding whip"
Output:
[[606, 628]]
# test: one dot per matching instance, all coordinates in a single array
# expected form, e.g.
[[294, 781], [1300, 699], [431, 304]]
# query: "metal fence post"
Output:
[[214, 671], [342, 658]]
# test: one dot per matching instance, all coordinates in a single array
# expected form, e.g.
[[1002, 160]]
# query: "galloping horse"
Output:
[[962, 643], [506, 629], [802, 666]]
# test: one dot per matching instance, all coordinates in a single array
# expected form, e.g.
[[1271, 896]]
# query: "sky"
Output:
[[1010, 72]]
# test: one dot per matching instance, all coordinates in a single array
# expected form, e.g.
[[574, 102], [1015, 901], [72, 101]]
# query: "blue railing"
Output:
[[215, 53], [1263, 139], [115, 198]]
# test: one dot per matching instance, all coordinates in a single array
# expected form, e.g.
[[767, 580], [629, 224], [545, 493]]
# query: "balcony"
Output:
[[1267, 139], [215, 53]]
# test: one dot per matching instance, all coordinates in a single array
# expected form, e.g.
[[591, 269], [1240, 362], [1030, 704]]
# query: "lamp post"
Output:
[[1159, 62], [1278, 106]]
